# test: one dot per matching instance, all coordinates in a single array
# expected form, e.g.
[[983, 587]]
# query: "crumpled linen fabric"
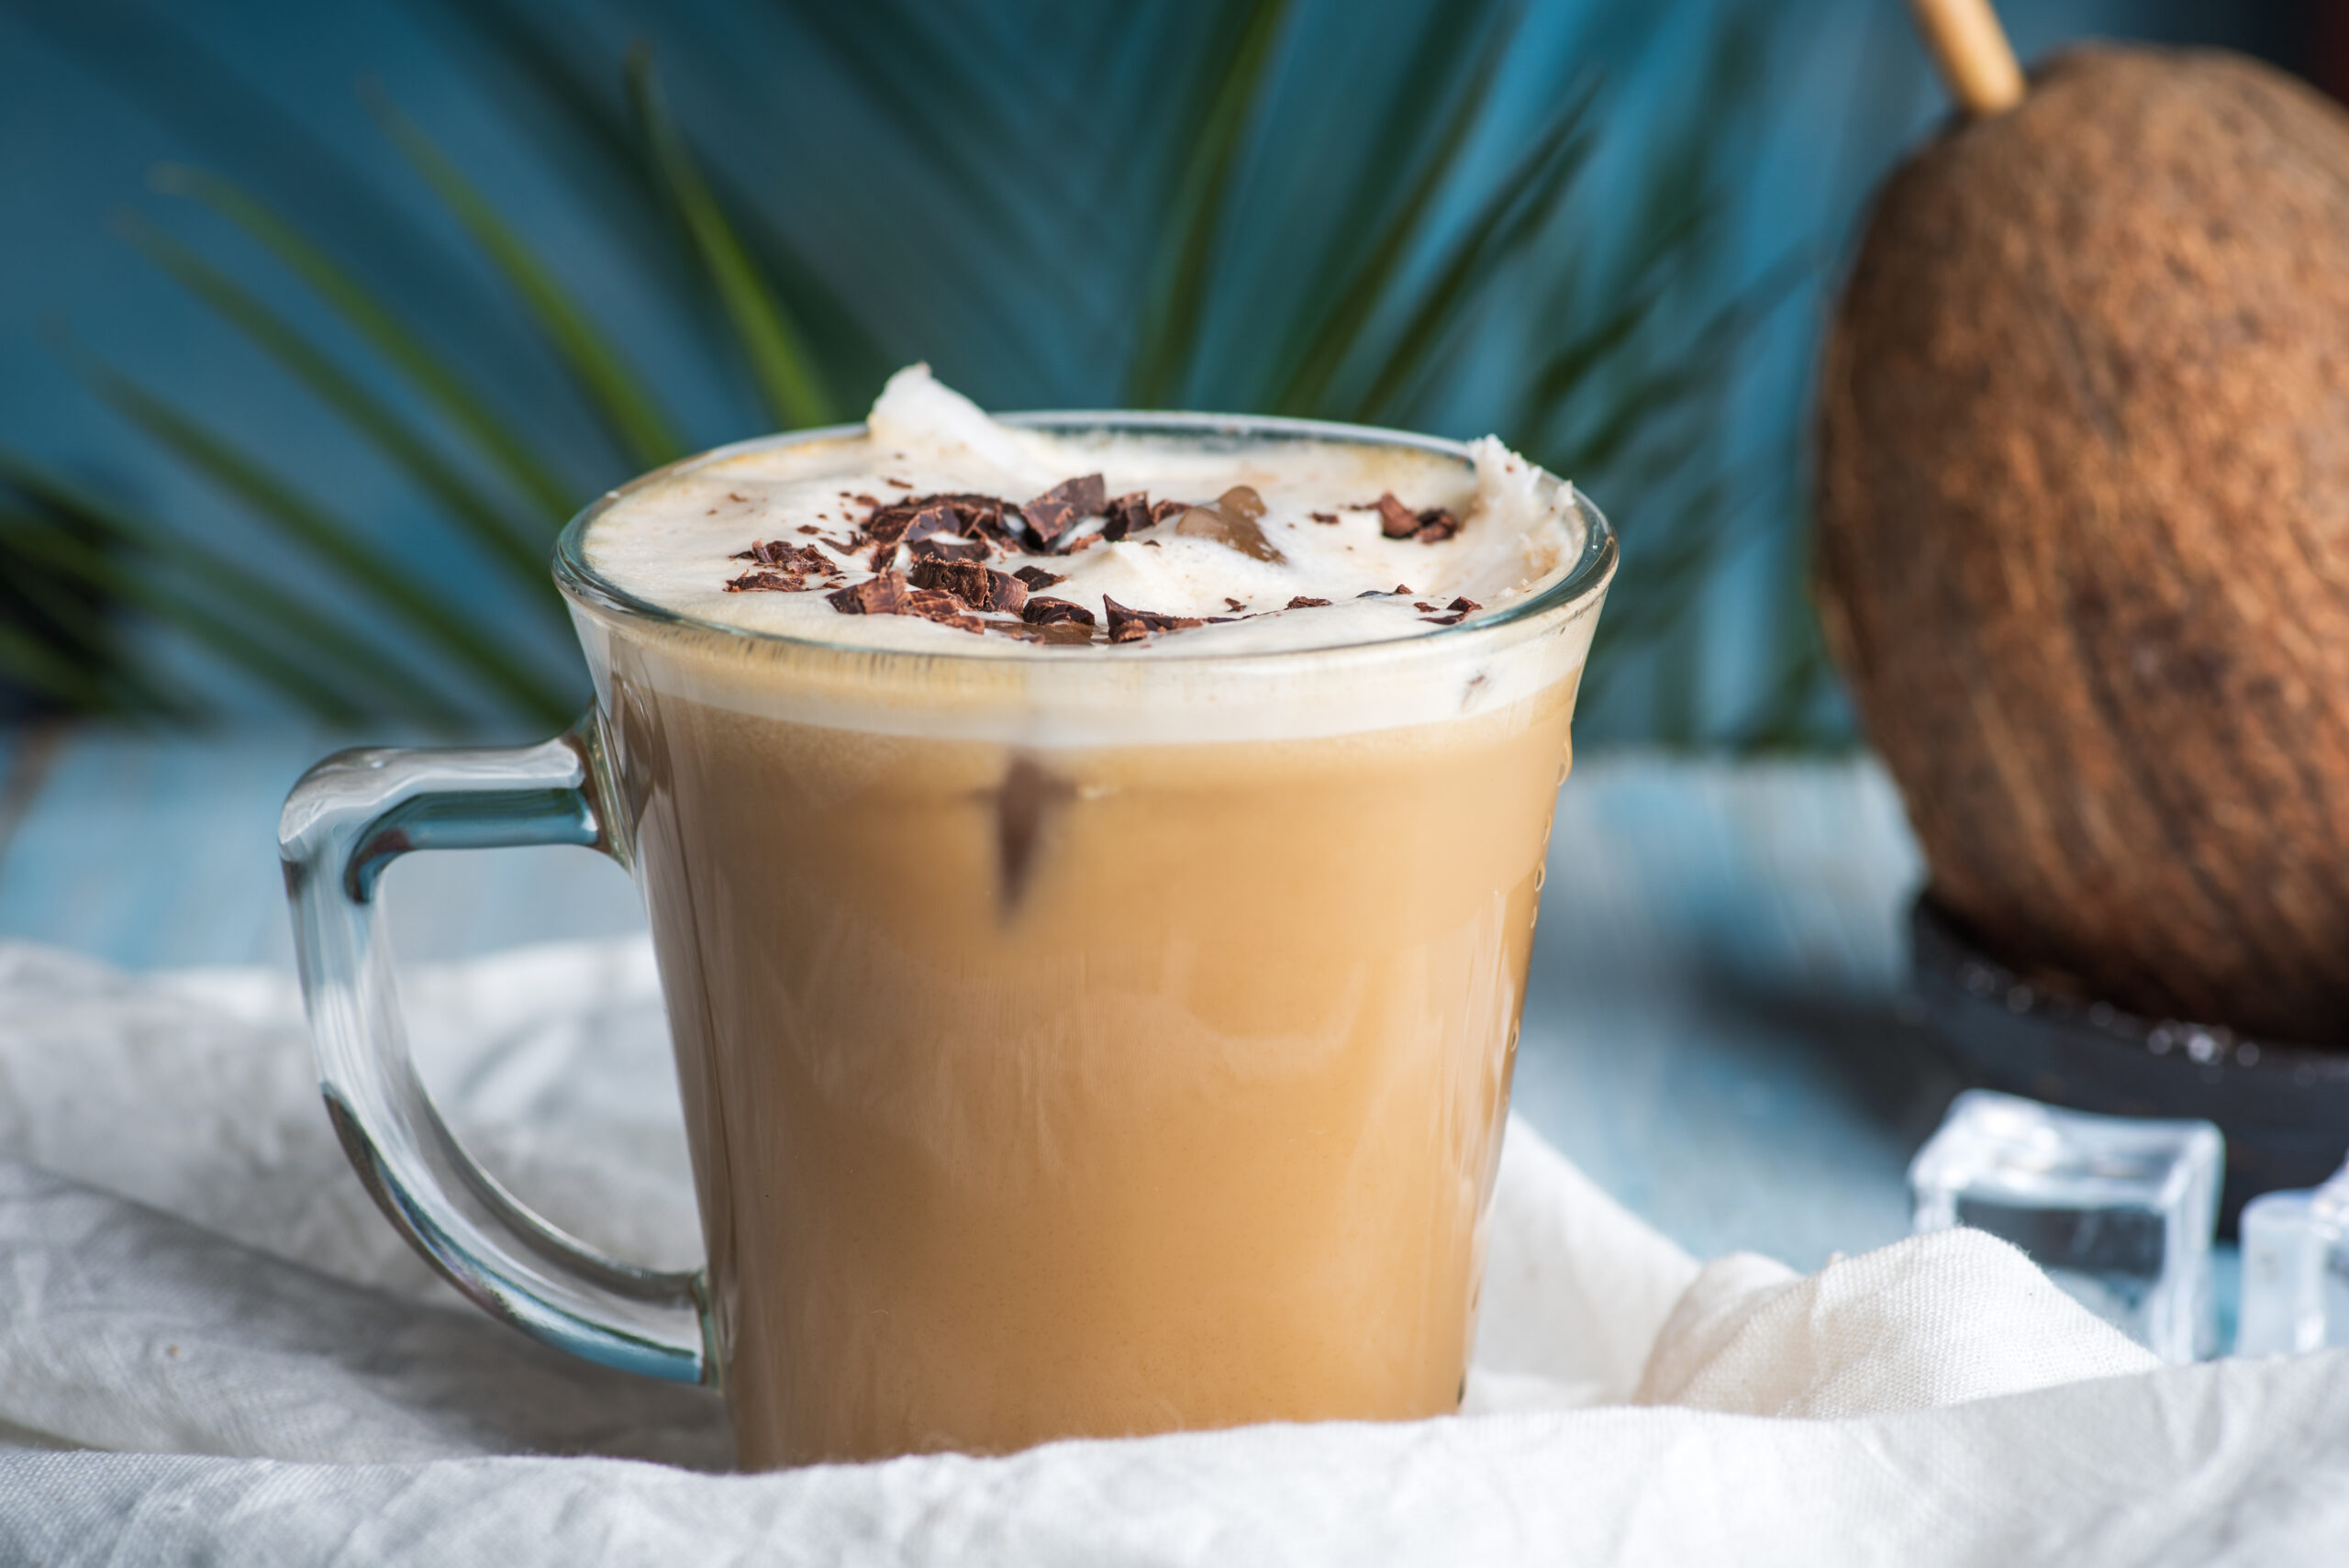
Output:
[[212, 1349]]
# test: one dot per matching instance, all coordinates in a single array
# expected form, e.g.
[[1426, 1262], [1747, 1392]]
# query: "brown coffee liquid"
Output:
[[1088, 1092]]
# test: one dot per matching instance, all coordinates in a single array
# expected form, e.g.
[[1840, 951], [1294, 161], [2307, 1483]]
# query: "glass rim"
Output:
[[1588, 577]]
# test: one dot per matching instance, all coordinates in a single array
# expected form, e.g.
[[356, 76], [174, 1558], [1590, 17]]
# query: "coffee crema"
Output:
[[940, 529]]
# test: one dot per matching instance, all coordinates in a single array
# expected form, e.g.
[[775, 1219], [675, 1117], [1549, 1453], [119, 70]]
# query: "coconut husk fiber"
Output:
[[2084, 530]]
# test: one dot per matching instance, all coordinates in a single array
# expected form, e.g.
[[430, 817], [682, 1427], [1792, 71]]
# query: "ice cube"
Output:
[[2120, 1211], [2296, 1270]]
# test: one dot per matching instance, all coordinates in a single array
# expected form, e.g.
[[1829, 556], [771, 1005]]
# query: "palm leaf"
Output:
[[778, 356], [247, 596], [365, 569], [32, 662], [1167, 344], [613, 390], [521, 549], [587, 129], [1354, 277], [1524, 199], [435, 380], [38, 539]]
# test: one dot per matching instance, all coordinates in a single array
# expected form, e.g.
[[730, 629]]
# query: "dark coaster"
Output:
[[2283, 1108]]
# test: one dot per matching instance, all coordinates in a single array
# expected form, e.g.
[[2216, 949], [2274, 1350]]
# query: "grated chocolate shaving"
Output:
[[1066, 633], [790, 557], [1397, 521], [1126, 514], [767, 582], [947, 547], [944, 609], [1053, 514], [884, 594], [1037, 578], [1127, 624], [1302, 602], [1041, 611], [977, 586]]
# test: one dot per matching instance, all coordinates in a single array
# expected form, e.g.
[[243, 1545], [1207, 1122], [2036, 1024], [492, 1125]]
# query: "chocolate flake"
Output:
[[809, 529], [790, 557], [1397, 521], [1037, 578], [1404, 590], [1131, 625], [1064, 634], [767, 582], [1041, 611], [1126, 514], [1162, 510], [1232, 521], [1459, 610], [1424, 607], [1053, 514], [952, 547], [975, 586], [731, 497], [888, 524], [1242, 501], [900, 483], [1463, 605], [934, 518], [884, 594], [1237, 605], [1323, 517], [1302, 602], [944, 609]]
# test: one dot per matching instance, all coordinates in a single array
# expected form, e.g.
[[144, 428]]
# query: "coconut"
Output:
[[2083, 542]]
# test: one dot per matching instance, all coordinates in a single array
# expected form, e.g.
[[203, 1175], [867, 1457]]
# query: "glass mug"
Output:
[[1072, 1044]]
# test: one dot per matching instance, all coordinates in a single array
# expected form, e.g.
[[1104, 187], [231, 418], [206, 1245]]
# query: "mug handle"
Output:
[[349, 819]]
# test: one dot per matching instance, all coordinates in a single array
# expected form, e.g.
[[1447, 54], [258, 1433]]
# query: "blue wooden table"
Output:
[[1715, 1030]]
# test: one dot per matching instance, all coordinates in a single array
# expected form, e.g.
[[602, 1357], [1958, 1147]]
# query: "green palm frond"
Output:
[[373, 574], [399, 345], [778, 350], [613, 388], [520, 547], [193, 573], [1176, 204], [1232, 85]]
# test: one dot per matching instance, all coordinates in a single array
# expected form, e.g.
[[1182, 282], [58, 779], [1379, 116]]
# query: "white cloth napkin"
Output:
[[191, 1279]]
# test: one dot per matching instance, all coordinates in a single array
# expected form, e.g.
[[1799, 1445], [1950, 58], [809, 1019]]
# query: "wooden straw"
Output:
[[1972, 49]]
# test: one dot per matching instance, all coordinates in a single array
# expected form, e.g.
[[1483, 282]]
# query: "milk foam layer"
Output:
[[673, 542]]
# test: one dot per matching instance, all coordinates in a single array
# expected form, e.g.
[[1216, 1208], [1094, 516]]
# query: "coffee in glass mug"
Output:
[[1092, 860]]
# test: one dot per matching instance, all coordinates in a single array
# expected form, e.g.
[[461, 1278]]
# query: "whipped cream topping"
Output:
[[1251, 545]]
